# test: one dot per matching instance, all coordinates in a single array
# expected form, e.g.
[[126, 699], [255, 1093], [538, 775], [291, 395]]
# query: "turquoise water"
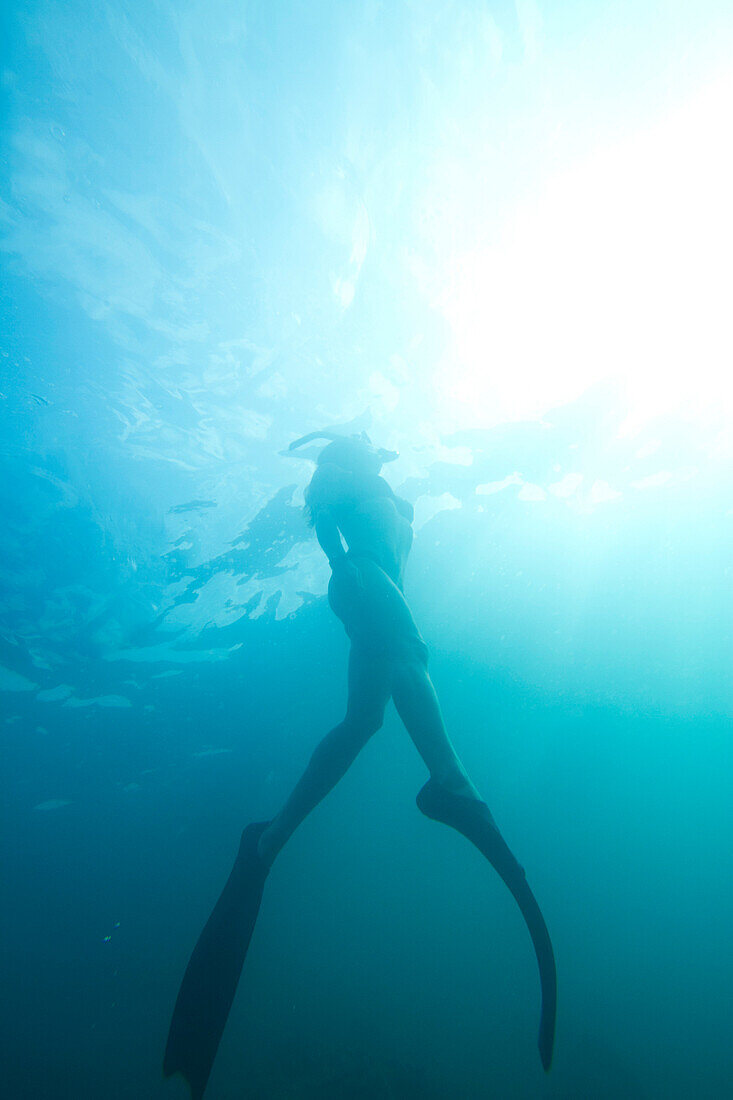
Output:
[[495, 236]]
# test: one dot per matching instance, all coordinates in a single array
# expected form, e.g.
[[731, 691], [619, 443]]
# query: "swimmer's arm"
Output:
[[405, 508], [330, 486], [329, 537]]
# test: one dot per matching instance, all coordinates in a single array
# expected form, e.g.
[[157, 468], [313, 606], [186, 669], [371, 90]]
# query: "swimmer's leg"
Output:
[[417, 705], [369, 690], [212, 975]]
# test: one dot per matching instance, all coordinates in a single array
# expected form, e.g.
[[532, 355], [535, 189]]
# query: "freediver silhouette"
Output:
[[350, 502]]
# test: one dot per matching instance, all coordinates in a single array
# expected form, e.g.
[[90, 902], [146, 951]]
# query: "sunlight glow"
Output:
[[621, 269]]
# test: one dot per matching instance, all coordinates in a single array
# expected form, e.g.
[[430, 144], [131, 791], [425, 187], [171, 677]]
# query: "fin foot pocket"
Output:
[[473, 820]]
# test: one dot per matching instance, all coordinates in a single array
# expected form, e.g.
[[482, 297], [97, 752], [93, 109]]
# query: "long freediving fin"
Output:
[[212, 974], [474, 821]]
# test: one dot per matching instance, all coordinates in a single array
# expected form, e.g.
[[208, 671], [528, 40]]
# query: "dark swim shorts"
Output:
[[375, 615]]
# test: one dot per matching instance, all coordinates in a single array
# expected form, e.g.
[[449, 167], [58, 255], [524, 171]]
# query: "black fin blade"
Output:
[[474, 821], [212, 974]]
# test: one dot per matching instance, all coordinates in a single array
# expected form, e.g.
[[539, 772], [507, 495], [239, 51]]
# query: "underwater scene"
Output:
[[366, 591]]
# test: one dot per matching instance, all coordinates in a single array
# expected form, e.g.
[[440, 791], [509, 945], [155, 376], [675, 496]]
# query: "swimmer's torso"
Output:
[[374, 522]]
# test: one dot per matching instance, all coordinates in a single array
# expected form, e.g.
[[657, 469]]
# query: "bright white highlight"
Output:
[[622, 268]]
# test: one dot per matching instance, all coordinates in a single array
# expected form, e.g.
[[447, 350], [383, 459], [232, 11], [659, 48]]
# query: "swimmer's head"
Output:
[[351, 452], [356, 453]]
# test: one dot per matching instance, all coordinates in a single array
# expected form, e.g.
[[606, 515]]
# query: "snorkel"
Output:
[[345, 450]]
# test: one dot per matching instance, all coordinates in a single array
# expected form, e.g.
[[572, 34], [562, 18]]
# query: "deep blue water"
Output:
[[385, 952]]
